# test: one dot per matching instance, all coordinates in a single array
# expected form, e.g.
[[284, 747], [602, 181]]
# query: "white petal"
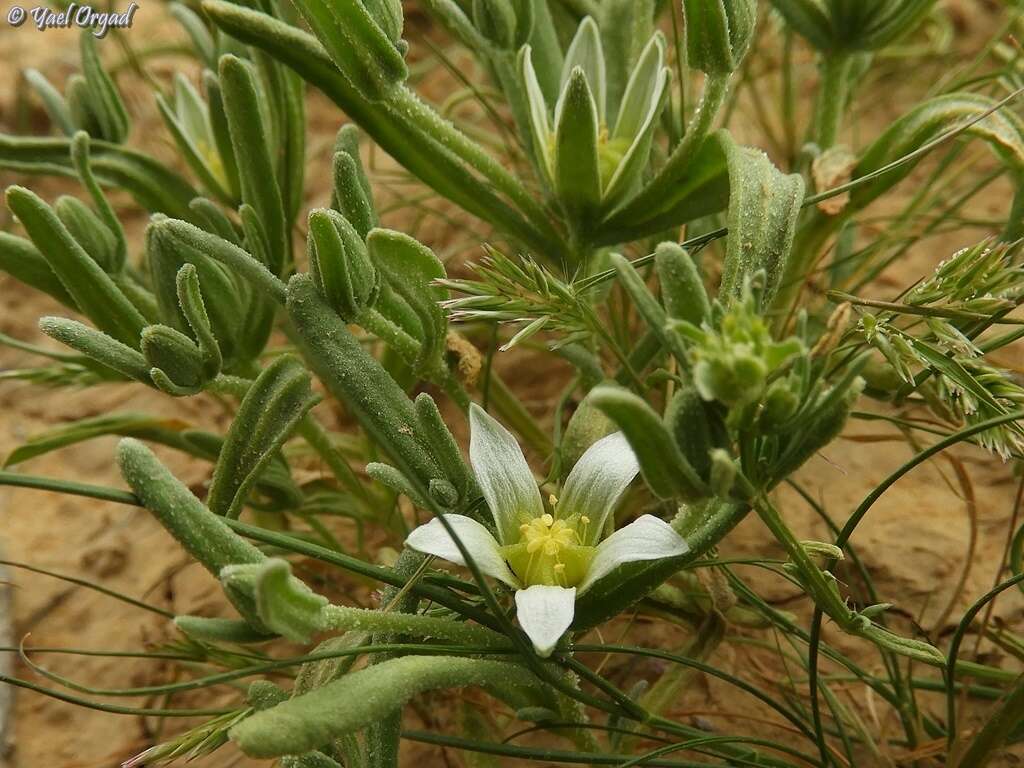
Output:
[[586, 51], [540, 125], [433, 539], [544, 614], [646, 538], [503, 474], [597, 481]]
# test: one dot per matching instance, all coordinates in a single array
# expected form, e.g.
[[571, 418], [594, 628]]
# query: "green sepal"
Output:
[[577, 172], [190, 299], [93, 290], [350, 197], [718, 33], [257, 179], [682, 289], [88, 231], [207, 630], [411, 270], [23, 261], [356, 379], [266, 417], [104, 100], [284, 603], [764, 204], [340, 263], [97, 346], [443, 446], [365, 697], [202, 533], [176, 365], [663, 466]]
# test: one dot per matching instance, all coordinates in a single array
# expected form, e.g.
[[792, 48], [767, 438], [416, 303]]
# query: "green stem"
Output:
[[340, 617], [833, 94]]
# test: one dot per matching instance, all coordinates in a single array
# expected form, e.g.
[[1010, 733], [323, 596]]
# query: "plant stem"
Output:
[[833, 93]]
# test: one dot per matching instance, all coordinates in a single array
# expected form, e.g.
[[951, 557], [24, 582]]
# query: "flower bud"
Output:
[[176, 364], [496, 21], [341, 267], [718, 33]]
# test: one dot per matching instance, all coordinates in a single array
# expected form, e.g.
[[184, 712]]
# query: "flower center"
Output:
[[549, 552], [547, 535]]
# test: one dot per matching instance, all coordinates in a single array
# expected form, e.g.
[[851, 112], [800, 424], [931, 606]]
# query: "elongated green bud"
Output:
[[88, 230], [340, 264], [365, 697], [194, 244], [97, 346], [23, 261], [496, 21], [54, 104], [268, 414], [366, 56], [76, 91], [250, 141], [221, 132], [443, 446], [284, 603], [662, 464], [682, 290], [207, 630], [81, 159], [824, 427], [412, 270], [718, 33], [350, 197], [587, 425], [697, 428], [196, 528], [104, 100], [176, 365], [358, 380], [93, 290], [648, 307], [190, 298], [576, 161]]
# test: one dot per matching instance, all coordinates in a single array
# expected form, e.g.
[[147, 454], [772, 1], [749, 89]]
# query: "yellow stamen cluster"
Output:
[[547, 535]]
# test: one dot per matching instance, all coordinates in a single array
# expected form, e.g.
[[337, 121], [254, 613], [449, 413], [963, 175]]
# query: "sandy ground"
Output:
[[932, 543]]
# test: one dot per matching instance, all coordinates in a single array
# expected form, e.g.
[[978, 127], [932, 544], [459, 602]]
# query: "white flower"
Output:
[[550, 558]]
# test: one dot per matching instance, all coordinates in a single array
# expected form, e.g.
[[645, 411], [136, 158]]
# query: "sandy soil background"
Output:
[[932, 542]]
